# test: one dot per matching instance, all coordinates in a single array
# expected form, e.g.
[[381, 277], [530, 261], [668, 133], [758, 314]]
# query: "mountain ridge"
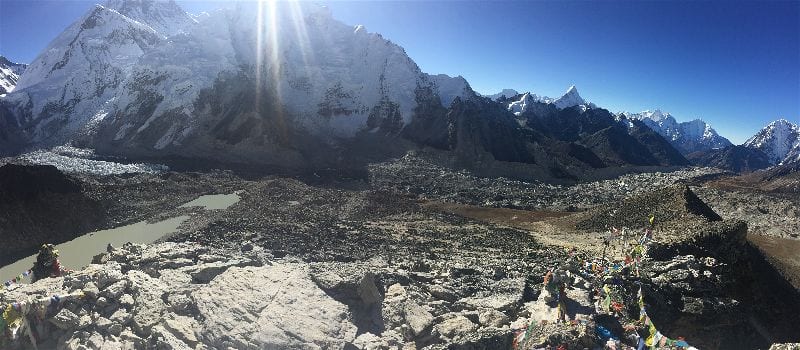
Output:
[[688, 137]]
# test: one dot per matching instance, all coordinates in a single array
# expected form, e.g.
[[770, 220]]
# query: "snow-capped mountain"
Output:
[[145, 75], [570, 98], [287, 85], [506, 93], [780, 140], [72, 85], [165, 17], [9, 74], [687, 137]]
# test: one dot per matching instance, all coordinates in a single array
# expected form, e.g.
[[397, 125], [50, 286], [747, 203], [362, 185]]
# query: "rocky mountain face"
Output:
[[9, 74], [780, 141], [687, 137], [594, 137], [736, 158]]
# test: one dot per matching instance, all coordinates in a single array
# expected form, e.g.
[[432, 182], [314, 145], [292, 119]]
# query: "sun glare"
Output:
[[271, 21]]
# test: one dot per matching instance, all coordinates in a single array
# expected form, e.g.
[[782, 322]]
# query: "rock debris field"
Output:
[[369, 265]]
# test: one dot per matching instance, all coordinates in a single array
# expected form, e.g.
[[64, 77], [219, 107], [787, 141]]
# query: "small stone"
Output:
[[492, 318], [417, 317], [84, 321], [66, 320], [115, 290], [102, 302], [367, 289], [115, 329], [121, 317], [166, 340], [181, 327], [126, 300], [103, 324], [91, 290], [456, 327], [96, 341], [108, 275], [128, 336]]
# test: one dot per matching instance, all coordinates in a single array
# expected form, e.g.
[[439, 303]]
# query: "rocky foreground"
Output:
[[437, 282], [186, 296], [385, 263]]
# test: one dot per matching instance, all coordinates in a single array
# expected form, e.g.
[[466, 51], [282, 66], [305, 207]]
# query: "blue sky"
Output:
[[733, 64]]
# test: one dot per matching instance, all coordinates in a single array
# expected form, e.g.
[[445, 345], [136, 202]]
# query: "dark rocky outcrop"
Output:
[[717, 289], [39, 204], [675, 207], [734, 158]]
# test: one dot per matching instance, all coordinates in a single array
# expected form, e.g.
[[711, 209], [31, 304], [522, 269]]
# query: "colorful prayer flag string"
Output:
[[17, 279]]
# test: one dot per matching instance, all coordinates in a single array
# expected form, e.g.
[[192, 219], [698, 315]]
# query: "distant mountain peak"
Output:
[[782, 122], [688, 137], [779, 140], [570, 98], [507, 93]]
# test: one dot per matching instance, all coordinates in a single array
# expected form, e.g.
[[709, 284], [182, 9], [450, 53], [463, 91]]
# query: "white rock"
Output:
[[399, 310], [147, 295], [182, 327], [456, 327], [492, 318], [276, 306]]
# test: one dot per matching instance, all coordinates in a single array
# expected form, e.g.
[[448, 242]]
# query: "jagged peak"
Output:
[[164, 16], [569, 99], [5, 61], [507, 93], [123, 6], [782, 122]]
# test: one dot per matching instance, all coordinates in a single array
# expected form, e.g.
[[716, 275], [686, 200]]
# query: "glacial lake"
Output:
[[214, 201], [78, 253]]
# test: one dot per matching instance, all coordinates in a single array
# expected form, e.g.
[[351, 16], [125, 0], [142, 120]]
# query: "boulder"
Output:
[[455, 327], [276, 306], [492, 318], [399, 310], [65, 320], [147, 293]]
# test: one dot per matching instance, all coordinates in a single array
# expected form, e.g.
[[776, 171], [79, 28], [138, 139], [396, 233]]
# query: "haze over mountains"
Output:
[[145, 79]]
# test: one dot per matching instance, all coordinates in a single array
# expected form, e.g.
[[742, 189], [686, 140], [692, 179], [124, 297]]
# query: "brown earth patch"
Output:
[[501, 216], [783, 253]]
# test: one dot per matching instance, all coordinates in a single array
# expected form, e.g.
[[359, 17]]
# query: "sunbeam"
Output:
[[301, 34], [274, 47], [259, 53]]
